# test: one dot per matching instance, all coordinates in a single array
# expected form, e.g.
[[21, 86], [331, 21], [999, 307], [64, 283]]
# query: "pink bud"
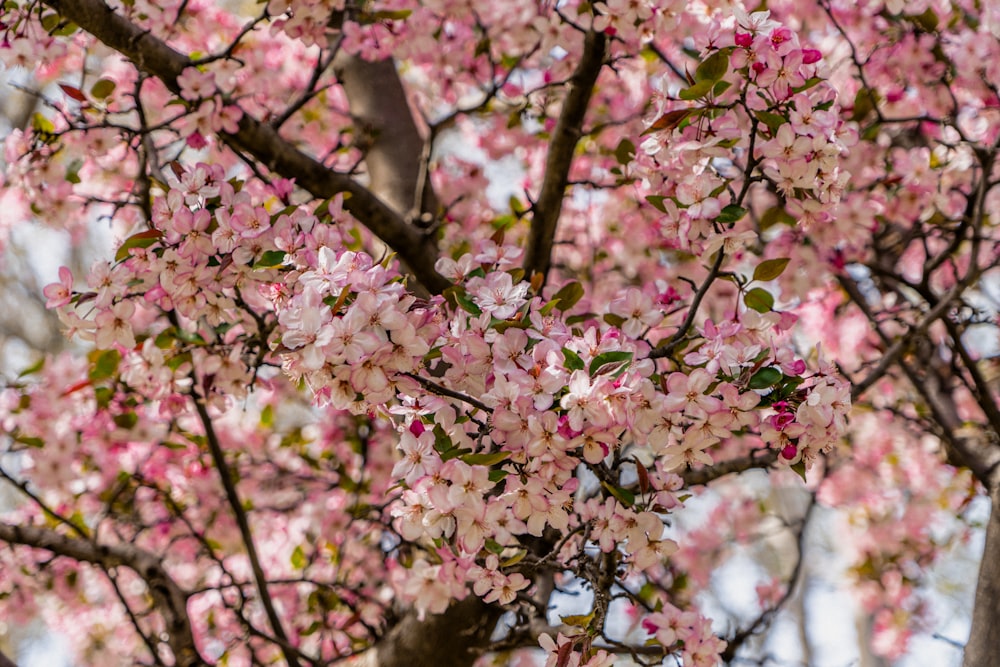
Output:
[[196, 140], [789, 452], [810, 56], [416, 427], [744, 39]]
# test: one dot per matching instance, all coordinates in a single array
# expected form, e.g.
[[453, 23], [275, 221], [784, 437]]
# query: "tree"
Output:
[[343, 396]]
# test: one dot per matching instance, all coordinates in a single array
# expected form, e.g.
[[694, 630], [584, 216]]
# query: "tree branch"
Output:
[[170, 599], [569, 128], [394, 146], [741, 636], [263, 142], [451, 639], [974, 451], [701, 476], [236, 505]]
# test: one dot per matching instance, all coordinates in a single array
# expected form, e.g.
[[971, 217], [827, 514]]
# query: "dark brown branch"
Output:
[[263, 142], [678, 337], [236, 505], [5, 661], [975, 452], [170, 599], [892, 355], [565, 137], [701, 476], [435, 388]]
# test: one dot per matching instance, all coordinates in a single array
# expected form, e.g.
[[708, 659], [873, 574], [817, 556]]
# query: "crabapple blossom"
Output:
[[345, 381]]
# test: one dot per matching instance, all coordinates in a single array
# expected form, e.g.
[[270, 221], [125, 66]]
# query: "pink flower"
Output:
[[195, 84], [59, 294]]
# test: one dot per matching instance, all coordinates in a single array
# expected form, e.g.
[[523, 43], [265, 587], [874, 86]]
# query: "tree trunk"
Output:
[[983, 647], [450, 639]]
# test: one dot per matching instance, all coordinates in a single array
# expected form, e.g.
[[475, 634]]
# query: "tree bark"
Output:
[[983, 647], [394, 149], [451, 639]]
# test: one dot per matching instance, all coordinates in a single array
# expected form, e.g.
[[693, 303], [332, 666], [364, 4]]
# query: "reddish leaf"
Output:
[[643, 478], [73, 92], [565, 651], [668, 121]]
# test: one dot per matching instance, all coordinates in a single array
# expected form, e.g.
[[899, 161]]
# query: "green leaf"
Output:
[[41, 124], [497, 475], [864, 104], [391, 14], [582, 317], [270, 259], [656, 201], [323, 209], [770, 269], [765, 378], [774, 216], [467, 304], [772, 120], [66, 29], [126, 420], [731, 213], [578, 620], [516, 206], [103, 396], [485, 458], [800, 469], [102, 89], [445, 448], [699, 89], [759, 299], [442, 442], [140, 240], [30, 441], [614, 320], [105, 364], [610, 362], [625, 152], [573, 360], [73, 171], [298, 558], [713, 67], [515, 559], [32, 369], [928, 20], [810, 82], [624, 496], [493, 546], [267, 416], [457, 296], [569, 295]]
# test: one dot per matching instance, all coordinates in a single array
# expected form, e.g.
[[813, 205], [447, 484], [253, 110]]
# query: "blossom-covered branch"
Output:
[[260, 139], [171, 600]]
